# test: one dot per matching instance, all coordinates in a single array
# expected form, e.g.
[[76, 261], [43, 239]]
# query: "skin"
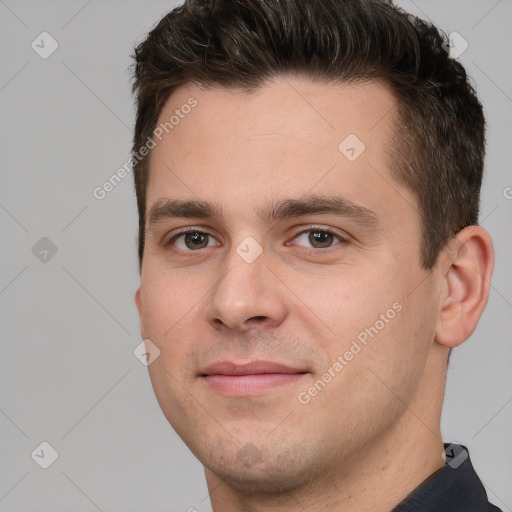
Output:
[[372, 434]]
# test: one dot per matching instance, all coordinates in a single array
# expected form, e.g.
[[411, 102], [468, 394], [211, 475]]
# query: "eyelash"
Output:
[[342, 240]]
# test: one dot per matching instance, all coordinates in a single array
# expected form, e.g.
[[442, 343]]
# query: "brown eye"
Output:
[[318, 238], [196, 240], [191, 241]]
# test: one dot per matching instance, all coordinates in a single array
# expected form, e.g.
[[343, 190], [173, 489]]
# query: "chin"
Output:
[[272, 474]]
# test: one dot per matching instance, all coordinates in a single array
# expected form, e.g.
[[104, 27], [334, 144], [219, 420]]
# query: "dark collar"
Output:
[[453, 488]]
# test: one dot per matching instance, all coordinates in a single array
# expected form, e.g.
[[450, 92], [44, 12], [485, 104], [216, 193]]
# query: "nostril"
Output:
[[258, 318]]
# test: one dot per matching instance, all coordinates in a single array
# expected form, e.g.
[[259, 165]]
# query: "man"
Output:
[[308, 177]]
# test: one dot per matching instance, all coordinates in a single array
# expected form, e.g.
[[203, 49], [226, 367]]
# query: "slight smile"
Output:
[[249, 379]]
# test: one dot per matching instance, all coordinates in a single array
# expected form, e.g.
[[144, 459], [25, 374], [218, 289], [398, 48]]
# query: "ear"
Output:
[[467, 263], [138, 303]]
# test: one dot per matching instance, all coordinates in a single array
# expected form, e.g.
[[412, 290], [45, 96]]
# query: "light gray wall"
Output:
[[69, 324]]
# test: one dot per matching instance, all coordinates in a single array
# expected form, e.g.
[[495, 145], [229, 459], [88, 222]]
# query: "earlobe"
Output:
[[467, 262]]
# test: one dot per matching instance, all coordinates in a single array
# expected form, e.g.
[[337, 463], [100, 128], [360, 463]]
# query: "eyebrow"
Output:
[[275, 211]]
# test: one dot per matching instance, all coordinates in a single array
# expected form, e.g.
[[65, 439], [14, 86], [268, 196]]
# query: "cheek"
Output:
[[374, 371], [379, 329], [169, 314], [180, 407], [166, 301], [168, 311], [394, 345], [348, 303]]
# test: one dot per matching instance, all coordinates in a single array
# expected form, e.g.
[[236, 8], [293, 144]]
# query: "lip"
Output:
[[249, 379]]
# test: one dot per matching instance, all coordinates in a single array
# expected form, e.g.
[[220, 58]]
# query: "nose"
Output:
[[248, 295]]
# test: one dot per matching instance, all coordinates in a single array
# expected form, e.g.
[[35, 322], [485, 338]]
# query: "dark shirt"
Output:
[[453, 488]]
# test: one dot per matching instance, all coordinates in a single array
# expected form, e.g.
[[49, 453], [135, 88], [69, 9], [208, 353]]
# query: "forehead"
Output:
[[291, 106], [286, 139]]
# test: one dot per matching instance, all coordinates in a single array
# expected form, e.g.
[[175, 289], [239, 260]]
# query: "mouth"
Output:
[[249, 379]]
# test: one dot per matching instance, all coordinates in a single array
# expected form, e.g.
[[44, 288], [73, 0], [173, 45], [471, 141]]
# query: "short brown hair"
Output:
[[439, 139]]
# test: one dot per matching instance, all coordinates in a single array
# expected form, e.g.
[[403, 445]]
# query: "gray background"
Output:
[[69, 324]]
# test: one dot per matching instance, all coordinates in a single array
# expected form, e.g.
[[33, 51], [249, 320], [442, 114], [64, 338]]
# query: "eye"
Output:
[[191, 240], [319, 238]]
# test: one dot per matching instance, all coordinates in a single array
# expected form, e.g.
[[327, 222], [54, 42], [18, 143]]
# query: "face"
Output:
[[285, 298]]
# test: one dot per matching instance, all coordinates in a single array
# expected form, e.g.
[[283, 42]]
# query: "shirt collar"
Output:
[[453, 488]]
